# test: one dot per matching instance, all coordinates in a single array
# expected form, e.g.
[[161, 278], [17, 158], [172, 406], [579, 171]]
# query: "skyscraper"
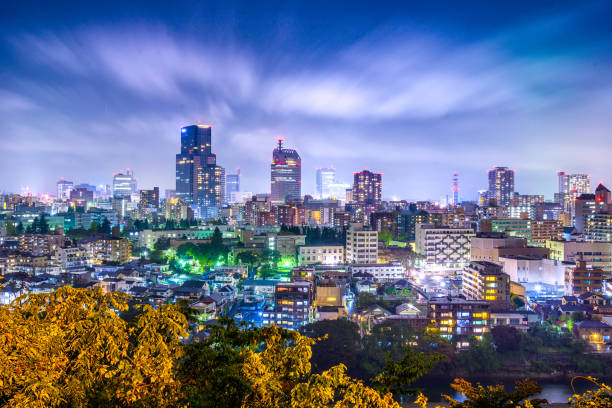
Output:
[[219, 185], [285, 174], [572, 186], [124, 183], [63, 189], [197, 173], [232, 185], [501, 185], [325, 178], [367, 188]]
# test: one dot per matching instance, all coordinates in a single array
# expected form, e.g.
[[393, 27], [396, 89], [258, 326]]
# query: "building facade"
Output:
[[321, 254], [459, 318], [581, 279], [443, 246], [361, 245], [487, 281]]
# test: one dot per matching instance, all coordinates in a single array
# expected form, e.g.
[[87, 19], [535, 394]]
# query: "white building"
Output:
[[70, 259], [447, 247], [380, 271], [533, 269], [361, 245], [321, 254]]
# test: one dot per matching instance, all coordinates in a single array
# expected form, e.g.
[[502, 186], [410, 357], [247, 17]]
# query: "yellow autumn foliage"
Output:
[[70, 348], [280, 377]]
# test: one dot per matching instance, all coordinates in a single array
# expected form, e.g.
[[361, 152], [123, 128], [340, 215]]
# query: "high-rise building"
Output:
[[571, 186], [232, 185], [325, 177], [63, 189], [219, 185], [149, 198], [285, 174], [501, 185], [197, 174], [586, 206], [574, 184], [124, 183], [367, 188]]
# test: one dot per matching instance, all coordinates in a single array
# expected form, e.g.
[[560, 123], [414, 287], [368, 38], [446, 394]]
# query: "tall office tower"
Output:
[[197, 173], [232, 185], [367, 188], [571, 186], [455, 188], [285, 174], [63, 189], [325, 178], [149, 198], [219, 185], [124, 183], [501, 185]]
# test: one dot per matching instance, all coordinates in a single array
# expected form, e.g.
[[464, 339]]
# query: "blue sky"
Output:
[[413, 90]]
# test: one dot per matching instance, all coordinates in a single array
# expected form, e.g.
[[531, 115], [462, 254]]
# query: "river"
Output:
[[553, 392]]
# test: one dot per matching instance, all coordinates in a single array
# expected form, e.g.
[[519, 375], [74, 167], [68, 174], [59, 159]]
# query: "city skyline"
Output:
[[408, 91]]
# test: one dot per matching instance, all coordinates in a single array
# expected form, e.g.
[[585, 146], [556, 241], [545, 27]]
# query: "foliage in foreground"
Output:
[[72, 348], [600, 397]]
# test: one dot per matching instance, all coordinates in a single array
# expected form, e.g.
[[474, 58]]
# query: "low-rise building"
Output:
[[597, 254], [596, 333], [104, 249], [533, 269], [581, 278], [293, 305], [380, 272], [518, 319], [490, 246], [321, 254], [459, 318]]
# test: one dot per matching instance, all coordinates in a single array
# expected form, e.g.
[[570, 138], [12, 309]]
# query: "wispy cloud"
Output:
[[399, 101]]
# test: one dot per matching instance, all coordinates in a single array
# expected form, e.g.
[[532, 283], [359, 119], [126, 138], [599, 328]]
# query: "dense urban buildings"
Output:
[[288, 258]]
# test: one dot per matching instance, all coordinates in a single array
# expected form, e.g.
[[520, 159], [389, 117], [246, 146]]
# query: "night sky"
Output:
[[415, 91]]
